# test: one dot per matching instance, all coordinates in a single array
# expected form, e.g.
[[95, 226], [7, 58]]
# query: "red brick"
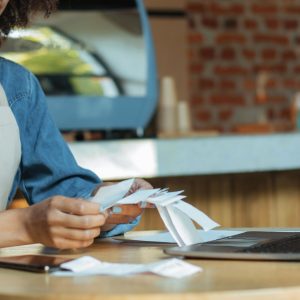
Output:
[[286, 113], [210, 22], [272, 23], [277, 99], [225, 114], [206, 83], [297, 69], [264, 9], [227, 84], [227, 8], [195, 38], [230, 23], [289, 55], [271, 114], [271, 84], [297, 39], [249, 84], [203, 115], [196, 68], [230, 38], [249, 54], [227, 99], [279, 68], [271, 39], [207, 53], [269, 54], [230, 70], [250, 24], [290, 24], [291, 84], [228, 54]]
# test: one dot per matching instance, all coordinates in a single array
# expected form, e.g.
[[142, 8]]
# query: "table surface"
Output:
[[220, 279]]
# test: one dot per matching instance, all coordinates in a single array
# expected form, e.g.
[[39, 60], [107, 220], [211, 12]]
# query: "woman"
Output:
[[35, 159]]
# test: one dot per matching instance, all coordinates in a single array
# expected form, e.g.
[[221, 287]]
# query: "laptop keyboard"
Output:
[[289, 244]]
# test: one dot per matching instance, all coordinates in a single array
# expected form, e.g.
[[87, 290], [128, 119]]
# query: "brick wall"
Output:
[[243, 63]]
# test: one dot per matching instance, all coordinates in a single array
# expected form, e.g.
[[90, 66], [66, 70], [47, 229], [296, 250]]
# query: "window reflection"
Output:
[[63, 66]]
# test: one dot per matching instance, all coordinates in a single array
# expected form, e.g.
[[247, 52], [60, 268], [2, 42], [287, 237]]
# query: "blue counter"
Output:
[[189, 156]]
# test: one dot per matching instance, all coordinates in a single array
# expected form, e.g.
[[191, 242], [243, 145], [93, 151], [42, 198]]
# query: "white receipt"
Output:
[[107, 196], [81, 264], [90, 266], [178, 216], [174, 268], [138, 196], [197, 215]]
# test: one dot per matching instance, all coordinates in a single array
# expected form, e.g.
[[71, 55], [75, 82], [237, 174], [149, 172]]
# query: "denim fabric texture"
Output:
[[47, 166]]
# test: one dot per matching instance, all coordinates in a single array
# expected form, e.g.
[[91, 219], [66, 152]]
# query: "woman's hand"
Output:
[[129, 212], [64, 222]]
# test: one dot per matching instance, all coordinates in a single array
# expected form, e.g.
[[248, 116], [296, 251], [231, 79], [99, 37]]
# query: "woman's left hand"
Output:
[[126, 213]]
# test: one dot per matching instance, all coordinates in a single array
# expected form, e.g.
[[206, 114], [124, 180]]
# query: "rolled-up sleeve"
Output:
[[47, 167]]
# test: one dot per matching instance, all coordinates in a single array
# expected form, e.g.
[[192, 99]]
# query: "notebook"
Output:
[[250, 245]]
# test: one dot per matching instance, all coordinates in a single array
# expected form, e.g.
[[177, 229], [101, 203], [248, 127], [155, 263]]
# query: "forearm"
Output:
[[13, 228]]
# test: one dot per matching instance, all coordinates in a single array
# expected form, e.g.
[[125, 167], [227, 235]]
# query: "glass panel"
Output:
[[88, 53]]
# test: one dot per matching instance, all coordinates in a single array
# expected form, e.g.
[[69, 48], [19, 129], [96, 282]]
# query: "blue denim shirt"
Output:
[[47, 166]]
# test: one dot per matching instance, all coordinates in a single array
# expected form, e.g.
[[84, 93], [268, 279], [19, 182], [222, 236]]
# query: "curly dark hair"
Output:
[[19, 12]]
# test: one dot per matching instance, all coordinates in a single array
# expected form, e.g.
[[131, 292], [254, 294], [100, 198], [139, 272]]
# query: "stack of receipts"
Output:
[[177, 215], [88, 266]]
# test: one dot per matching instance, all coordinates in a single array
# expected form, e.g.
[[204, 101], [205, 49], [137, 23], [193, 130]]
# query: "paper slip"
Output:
[[174, 268], [138, 196], [178, 216], [195, 214], [90, 266], [81, 264], [107, 196]]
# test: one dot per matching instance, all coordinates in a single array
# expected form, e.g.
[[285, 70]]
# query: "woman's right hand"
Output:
[[63, 223]]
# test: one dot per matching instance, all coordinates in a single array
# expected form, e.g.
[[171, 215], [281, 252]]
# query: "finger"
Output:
[[108, 227], [63, 243], [75, 234], [143, 184], [78, 222], [76, 206]]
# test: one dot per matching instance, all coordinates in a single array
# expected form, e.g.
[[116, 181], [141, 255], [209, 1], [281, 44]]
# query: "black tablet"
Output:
[[33, 263]]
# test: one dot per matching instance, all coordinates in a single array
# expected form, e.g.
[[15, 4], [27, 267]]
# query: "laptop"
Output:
[[251, 245]]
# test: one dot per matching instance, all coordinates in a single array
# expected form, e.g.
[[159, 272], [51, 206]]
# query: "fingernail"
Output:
[[116, 210]]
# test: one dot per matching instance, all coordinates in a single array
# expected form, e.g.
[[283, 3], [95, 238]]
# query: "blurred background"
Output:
[[200, 95]]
